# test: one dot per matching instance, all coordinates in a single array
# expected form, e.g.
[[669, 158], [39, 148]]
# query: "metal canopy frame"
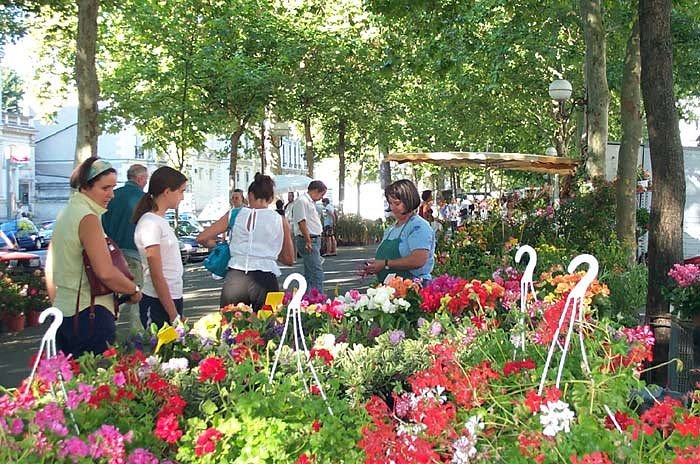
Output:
[[481, 159]]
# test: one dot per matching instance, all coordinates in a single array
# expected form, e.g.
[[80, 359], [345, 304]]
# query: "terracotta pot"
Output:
[[32, 318], [14, 322]]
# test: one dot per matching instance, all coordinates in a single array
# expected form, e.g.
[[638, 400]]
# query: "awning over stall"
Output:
[[480, 159]]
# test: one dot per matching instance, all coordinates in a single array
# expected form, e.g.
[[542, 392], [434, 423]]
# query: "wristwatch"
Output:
[[386, 264], [138, 289]]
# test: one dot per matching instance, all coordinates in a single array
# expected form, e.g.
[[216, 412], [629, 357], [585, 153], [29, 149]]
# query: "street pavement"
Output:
[[201, 298]]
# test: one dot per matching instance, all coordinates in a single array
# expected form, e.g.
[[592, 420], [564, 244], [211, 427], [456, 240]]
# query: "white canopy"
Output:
[[291, 183]]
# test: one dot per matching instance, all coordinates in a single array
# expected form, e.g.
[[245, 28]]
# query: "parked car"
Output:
[[46, 231], [187, 231], [24, 233], [13, 260]]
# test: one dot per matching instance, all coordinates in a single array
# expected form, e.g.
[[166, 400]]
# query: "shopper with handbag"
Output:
[[159, 248], [259, 238], [88, 323]]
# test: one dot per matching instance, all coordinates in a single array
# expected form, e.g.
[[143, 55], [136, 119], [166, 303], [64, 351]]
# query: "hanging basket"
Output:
[[14, 322]]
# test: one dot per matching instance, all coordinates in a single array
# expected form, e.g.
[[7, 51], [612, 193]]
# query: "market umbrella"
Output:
[[291, 183]]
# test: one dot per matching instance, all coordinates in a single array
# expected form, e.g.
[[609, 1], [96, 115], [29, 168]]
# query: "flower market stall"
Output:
[[454, 371]]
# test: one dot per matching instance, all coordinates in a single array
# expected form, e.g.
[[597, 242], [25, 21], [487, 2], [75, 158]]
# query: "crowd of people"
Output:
[[99, 220]]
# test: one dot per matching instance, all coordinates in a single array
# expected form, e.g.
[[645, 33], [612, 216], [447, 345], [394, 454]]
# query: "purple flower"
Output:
[[435, 328], [421, 322], [374, 332], [396, 336]]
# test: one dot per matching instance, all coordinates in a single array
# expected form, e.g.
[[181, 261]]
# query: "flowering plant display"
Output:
[[451, 388], [685, 294]]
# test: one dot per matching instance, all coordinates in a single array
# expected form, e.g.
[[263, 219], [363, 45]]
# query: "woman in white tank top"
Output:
[[259, 238]]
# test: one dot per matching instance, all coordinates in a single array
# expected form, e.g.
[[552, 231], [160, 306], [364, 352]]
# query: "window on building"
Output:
[[138, 152]]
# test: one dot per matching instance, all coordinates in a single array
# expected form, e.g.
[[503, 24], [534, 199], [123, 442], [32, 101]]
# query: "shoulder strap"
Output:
[[232, 218]]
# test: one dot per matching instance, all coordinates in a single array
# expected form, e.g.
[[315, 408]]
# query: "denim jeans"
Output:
[[313, 271]]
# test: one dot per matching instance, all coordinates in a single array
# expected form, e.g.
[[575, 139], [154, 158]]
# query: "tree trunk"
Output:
[[384, 167], [263, 148], [668, 198], [309, 147], [596, 86], [359, 184], [233, 159], [86, 81], [342, 129], [631, 118]]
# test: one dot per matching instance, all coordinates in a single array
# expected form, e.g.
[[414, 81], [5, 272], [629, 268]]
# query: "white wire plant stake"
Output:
[[574, 303], [294, 313], [527, 286], [48, 348]]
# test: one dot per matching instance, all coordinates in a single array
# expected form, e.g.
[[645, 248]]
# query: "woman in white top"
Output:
[[159, 248], [259, 238]]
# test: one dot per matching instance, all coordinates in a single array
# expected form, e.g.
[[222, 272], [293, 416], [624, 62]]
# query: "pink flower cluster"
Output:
[[685, 275]]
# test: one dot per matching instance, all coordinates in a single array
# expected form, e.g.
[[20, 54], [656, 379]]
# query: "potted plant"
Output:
[[685, 293], [12, 304]]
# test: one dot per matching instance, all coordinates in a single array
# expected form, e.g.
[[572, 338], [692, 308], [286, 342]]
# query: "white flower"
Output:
[[517, 340], [465, 446], [175, 364], [556, 416]]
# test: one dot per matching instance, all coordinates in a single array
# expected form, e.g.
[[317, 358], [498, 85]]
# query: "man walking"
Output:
[[308, 238], [118, 226], [330, 219]]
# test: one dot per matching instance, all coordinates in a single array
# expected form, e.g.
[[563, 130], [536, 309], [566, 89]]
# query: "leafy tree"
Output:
[[150, 79], [12, 90]]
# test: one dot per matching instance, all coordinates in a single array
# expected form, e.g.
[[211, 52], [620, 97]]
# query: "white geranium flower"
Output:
[[556, 416], [175, 364]]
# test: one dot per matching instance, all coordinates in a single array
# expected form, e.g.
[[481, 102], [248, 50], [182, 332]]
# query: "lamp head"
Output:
[[560, 90]]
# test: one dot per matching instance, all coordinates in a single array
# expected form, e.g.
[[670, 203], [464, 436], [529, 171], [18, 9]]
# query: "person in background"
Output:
[[330, 220], [279, 207], [408, 246], [425, 210], [77, 229], [308, 240], [259, 238], [237, 198], [118, 226], [159, 248]]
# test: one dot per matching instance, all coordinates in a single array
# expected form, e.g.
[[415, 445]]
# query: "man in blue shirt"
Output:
[[118, 226]]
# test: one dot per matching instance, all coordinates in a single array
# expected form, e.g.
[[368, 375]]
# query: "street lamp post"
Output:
[[560, 90]]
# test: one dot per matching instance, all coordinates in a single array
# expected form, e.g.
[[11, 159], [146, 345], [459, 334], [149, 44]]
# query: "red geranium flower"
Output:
[[596, 457], [316, 426], [305, 459], [323, 354], [689, 426], [167, 428], [206, 441], [212, 368]]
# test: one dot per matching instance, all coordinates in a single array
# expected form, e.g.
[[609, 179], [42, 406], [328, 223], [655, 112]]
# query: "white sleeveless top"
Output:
[[256, 240]]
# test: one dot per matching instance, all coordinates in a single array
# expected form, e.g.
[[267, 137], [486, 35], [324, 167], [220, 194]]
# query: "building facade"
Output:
[[17, 179]]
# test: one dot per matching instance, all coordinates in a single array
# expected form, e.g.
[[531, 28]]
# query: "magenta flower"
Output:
[[51, 417], [685, 275], [49, 369], [141, 456], [108, 442], [73, 448]]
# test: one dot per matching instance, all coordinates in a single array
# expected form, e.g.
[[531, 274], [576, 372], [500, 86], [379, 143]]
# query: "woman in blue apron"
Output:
[[408, 246]]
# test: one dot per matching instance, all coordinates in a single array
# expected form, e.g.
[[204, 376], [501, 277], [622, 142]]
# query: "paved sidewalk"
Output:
[[201, 298]]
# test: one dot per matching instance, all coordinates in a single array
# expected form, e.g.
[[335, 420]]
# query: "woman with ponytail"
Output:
[[85, 327], [259, 238], [159, 248]]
